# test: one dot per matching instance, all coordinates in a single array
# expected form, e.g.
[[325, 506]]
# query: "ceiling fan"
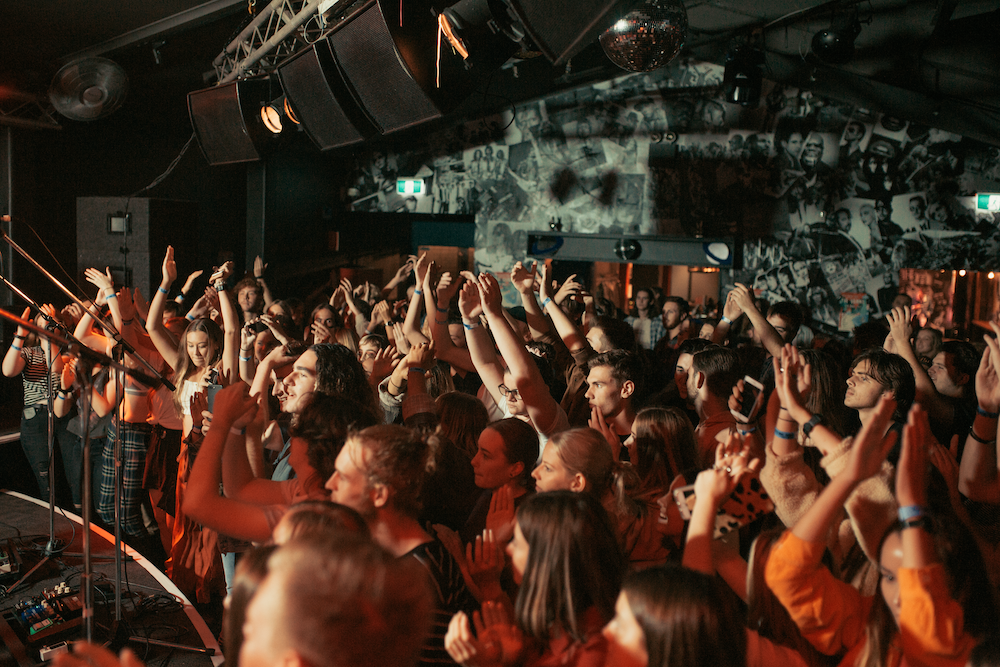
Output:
[[88, 88]]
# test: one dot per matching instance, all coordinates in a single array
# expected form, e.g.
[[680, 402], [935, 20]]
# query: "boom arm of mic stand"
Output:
[[160, 378], [78, 349]]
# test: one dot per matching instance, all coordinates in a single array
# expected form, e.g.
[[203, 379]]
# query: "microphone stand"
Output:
[[87, 358], [117, 337], [52, 546]]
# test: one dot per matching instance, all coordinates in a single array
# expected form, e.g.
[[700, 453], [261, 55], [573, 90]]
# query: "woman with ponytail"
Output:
[[580, 460]]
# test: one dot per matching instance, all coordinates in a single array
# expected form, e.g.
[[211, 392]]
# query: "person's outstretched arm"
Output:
[[940, 410], [542, 408], [480, 345], [411, 326], [570, 334], [230, 324], [979, 478], [164, 342], [446, 350], [233, 409], [258, 273], [769, 338]]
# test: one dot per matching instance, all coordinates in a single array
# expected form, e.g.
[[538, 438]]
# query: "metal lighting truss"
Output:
[[278, 31], [19, 109]]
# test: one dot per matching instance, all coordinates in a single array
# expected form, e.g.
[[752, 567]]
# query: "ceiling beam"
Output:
[[186, 19]]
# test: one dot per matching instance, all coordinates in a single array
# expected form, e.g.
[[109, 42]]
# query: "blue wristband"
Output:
[[15, 347], [189, 317], [418, 292], [546, 302], [161, 290], [984, 413], [785, 435], [911, 512], [244, 358], [111, 296], [469, 327]]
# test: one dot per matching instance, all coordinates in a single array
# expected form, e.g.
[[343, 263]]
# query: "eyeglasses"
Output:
[[509, 393]]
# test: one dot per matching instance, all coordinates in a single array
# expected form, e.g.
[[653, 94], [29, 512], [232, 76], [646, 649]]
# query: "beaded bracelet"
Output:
[[984, 413], [784, 435], [161, 290]]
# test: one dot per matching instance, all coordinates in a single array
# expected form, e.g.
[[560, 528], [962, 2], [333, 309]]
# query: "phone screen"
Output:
[[750, 395]]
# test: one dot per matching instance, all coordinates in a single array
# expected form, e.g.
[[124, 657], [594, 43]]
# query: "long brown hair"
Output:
[[185, 367], [665, 447], [574, 563]]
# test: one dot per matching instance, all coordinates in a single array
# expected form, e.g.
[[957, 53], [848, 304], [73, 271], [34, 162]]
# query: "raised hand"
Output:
[[125, 305], [871, 444], [276, 329], [523, 279], [234, 407], [103, 281], [484, 558], [222, 273], [68, 375], [169, 266], [259, 267], [570, 288], [988, 375], [380, 314], [248, 334], [399, 339], [421, 355], [469, 303], [383, 363], [545, 286], [489, 295], [911, 470], [421, 269], [447, 288], [190, 281], [320, 333], [731, 309], [792, 379], [26, 315], [899, 326], [500, 518], [464, 648], [742, 298]]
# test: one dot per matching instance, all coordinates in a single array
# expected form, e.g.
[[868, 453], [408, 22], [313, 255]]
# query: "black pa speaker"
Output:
[[322, 99], [226, 120]]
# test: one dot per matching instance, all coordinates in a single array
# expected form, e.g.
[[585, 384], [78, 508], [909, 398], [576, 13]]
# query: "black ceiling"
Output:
[[934, 58]]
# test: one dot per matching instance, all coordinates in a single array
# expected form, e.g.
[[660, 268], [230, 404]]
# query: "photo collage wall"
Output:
[[830, 200]]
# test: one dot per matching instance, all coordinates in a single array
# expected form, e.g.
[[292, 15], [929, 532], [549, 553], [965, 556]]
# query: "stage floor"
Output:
[[152, 606]]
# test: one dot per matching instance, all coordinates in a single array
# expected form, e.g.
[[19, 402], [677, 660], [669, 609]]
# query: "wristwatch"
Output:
[[811, 424]]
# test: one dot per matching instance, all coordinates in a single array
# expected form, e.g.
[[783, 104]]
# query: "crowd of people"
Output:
[[416, 474]]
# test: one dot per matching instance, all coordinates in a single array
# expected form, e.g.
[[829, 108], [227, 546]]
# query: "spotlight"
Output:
[[273, 112], [743, 77], [835, 45]]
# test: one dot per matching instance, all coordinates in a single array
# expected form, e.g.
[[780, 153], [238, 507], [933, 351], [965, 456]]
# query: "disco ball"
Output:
[[647, 37]]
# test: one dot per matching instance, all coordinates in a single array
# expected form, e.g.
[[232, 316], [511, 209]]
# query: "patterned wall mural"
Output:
[[830, 200]]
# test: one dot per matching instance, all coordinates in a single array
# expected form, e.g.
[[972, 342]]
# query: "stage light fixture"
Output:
[[743, 77], [835, 45], [276, 110]]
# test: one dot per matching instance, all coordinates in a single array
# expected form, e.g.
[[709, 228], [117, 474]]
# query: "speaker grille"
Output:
[[322, 100], [220, 118], [366, 53]]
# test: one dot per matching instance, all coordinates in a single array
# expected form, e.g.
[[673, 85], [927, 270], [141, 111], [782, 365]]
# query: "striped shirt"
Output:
[[33, 376]]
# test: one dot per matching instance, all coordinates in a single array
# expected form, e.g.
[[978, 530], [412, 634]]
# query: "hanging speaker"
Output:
[[323, 100], [226, 120]]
